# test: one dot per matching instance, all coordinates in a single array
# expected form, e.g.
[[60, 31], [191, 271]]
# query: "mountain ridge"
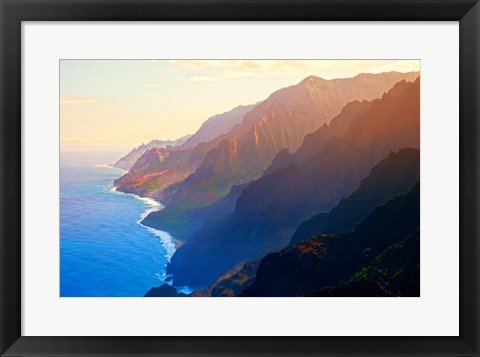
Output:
[[269, 209], [128, 161], [329, 260], [281, 121], [394, 175], [151, 178]]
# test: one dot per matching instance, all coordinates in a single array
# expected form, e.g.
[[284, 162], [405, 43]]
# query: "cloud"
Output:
[[72, 99], [399, 66], [79, 139], [224, 70], [233, 74], [198, 64], [236, 64], [204, 79], [151, 86], [107, 106]]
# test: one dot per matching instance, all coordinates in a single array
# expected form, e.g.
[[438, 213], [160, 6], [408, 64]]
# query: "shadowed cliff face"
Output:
[[233, 284], [394, 272], [393, 176], [314, 142], [165, 291], [192, 219], [269, 210], [378, 251]]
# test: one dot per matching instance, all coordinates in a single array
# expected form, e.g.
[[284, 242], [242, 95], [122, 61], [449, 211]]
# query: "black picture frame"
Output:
[[13, 12]]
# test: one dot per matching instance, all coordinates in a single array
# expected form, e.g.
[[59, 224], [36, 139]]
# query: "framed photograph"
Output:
[[239, 178]]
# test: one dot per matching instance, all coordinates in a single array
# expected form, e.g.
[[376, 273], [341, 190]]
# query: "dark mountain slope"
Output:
[[270, 209], [314, 142], [394, 272], [395, 175], [326, 260], [233, 285], [194, 218]]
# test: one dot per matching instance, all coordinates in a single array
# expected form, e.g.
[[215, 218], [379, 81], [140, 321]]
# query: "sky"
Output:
[[115, 105]]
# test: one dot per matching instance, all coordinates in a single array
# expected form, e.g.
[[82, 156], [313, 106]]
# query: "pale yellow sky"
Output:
[[115, 105]]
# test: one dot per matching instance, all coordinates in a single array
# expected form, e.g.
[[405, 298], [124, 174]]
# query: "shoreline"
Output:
[[155, 206], [169, 243]]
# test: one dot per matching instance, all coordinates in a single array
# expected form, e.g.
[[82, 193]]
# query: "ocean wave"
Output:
[[150, 201], [184, 289], [160, 276], [154, 206], [166, 239]]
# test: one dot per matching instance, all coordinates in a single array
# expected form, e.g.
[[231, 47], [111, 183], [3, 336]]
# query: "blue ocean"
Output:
[[104, 249]]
